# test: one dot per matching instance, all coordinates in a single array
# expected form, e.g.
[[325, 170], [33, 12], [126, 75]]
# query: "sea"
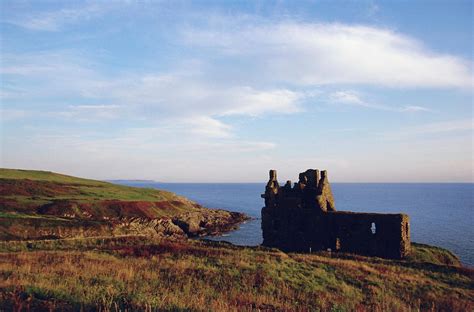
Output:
[[441, 214]]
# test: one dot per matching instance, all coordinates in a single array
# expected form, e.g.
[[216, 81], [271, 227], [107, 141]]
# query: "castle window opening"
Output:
[[373, 228]]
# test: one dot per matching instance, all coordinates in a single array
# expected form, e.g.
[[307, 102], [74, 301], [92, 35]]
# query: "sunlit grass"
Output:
[[139, 272], [87, 189], [18, 200]]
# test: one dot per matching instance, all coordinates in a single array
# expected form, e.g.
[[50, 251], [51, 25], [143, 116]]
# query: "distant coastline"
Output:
[[132, 181]]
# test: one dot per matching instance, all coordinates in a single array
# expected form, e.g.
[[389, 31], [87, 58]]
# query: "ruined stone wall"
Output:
[[303, 218], [372, 234]]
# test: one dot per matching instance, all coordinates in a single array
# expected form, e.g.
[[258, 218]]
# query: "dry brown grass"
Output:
[[140, 274]]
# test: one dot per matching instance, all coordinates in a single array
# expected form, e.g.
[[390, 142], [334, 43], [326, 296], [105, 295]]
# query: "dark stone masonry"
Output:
[[303, 218]]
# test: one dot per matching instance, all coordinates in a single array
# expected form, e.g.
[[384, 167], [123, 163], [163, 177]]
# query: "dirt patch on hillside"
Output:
[[9, 204], [142, 209], [107, 209], [25, 187]]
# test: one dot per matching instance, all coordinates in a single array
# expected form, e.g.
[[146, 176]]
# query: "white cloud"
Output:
[[247, 101], [191, 94], [208, 127], [414, 109], [183, 97], [354, 98], [302, 53], [349, 97], [315, 54]]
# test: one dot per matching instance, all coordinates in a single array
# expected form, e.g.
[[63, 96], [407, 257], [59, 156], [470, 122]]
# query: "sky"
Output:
[[223, 91]]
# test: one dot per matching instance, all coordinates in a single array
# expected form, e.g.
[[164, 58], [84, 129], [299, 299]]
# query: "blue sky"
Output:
[[222, 91]]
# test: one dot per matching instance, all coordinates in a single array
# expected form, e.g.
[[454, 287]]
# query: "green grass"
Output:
[[44, 187], [136, 272], [88, 189], [74, 203], [18, 215], [427, 253], [38, 204], [39, 175]]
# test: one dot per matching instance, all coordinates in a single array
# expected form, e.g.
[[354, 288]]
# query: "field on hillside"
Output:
[[26, 190], [41, 205], [137, 272]]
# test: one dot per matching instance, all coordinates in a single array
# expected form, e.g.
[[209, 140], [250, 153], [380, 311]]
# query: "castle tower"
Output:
[[304, 218]]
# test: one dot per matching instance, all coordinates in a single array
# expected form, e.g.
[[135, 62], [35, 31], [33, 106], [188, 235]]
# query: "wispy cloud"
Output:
[[442, 127], [150, 152], [372, 9], [184, 93], [314, 54], [434, 129], [57, 19], [90, 112], [296, 52], [208, 127], [354, 98], [414, 109], [349, 97], [185, 97]]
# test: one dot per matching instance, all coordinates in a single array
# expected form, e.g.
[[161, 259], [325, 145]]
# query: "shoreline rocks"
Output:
[[187, 225], [209, 222]]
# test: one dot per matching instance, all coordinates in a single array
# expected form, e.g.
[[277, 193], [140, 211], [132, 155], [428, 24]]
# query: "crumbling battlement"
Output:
[[303, 218]]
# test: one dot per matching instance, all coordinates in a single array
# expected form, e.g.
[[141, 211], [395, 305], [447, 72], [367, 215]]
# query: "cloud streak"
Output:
[[354, 98], [434, 129], [57, 19], [319, 54], [185, 97]]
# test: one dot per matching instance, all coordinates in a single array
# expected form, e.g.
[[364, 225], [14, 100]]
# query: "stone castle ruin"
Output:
[[303, 218]]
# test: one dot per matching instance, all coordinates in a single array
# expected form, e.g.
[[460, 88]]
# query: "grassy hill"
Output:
[[139, 273], [34, 188], [41, 204]]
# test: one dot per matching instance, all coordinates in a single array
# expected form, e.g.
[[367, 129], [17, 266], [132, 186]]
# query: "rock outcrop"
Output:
[[303, 218], [209, 222], [191, 224]]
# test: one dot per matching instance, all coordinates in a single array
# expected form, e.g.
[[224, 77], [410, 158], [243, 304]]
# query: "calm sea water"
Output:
[[440, 214]]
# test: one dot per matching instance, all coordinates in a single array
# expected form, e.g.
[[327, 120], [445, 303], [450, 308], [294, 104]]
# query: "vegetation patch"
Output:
[[39, 205], [137, 272]]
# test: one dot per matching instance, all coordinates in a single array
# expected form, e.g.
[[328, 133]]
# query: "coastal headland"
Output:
[[46, 205], [74, 244]]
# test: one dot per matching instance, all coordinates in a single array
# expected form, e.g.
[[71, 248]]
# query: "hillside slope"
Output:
[[139, 273], [41, 204]]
